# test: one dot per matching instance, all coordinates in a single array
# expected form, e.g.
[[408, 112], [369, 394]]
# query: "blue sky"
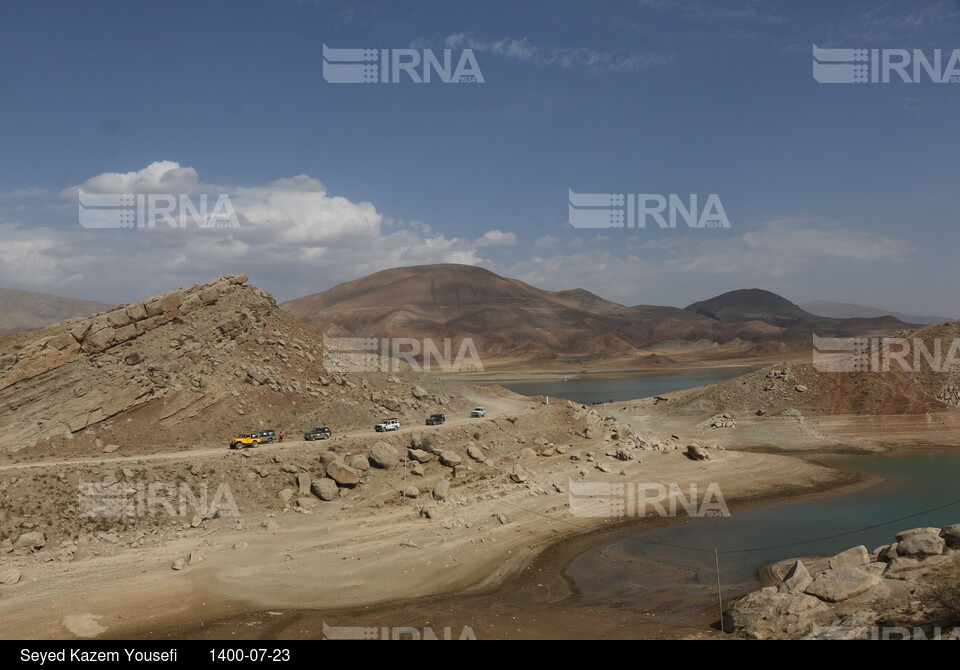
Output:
[[833, 191]]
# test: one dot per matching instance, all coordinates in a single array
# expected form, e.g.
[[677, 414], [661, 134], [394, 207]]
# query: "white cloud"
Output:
[[294, 238], [496, 238], [593, 60]]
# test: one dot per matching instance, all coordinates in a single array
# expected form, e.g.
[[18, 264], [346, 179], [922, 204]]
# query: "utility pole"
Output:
[[716, 556]]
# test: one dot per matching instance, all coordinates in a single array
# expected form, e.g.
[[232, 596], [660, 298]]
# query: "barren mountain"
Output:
[[26, 310], [915, 374], [199, 363], [511, 321]]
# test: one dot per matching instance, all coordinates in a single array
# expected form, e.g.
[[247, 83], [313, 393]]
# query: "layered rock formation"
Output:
[[197, 363]]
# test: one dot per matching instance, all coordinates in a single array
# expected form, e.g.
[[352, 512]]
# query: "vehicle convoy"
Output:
[[478, 411], [435, 419], [318, 433], [266, 436], [387, 425], [246, 440]]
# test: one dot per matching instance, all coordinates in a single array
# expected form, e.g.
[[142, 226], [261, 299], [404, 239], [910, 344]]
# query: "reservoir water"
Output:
[[588, 389], [922, 485]]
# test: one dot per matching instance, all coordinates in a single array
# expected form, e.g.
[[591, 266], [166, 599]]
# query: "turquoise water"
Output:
[[748, 540], [590, 389]]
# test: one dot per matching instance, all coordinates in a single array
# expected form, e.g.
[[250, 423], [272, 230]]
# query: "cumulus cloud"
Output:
[[295, 238], [496, 238]]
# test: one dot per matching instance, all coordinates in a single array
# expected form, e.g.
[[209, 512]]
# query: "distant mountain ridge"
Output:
[[843, 310], [27, 310], [509, 319]]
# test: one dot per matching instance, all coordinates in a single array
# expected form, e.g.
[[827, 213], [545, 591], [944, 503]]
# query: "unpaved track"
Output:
[[496, 407]]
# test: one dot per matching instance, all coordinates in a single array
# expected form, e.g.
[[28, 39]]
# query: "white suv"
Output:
[[387, 424], [479, 411]]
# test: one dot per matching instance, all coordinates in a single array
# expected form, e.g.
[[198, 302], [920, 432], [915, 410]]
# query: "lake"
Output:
[[588, 389]]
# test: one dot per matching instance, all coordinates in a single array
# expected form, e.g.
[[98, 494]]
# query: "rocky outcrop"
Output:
[[200, 362], [850, 592]]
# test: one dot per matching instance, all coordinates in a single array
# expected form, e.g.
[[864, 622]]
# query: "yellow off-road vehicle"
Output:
[[245, 441]]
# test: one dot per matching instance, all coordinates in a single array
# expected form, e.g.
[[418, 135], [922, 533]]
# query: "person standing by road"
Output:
[[280, 437]]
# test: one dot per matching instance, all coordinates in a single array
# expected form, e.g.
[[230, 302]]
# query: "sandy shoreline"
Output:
[[523, 587], [493, 550]]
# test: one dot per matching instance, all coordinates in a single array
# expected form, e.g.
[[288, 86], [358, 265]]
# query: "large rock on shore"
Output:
[[343, 474], [951, 536], [841, 584], [767, 614], [34, 540], [920, 542], [384, 456], [325, 489], [797, 579], [851, 558]]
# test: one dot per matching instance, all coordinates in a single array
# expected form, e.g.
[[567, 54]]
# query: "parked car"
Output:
[[435, 419], [479, 411], [266, 436], [318, 433], [387, 424], [244, 441]]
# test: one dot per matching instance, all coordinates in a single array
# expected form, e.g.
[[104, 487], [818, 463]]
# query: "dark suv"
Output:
[[318, 433], [266, 436], [436, 419]]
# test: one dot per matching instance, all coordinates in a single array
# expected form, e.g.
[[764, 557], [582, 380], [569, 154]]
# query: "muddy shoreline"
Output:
[[537, 601]]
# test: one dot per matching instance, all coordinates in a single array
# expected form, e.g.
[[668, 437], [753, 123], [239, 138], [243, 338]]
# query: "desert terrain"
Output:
[[124, 514]]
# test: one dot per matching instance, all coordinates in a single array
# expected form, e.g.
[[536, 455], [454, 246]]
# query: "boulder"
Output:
[[518, 475], [325, 489], [384, 456], [442, 490], [303, 484], [851, 558], [411, 492], [697, 453], [34, 540], [951, 536], [920, 542], [527, 452], [10, 576], [328, 457], [796, 580], [307, 503], [419, 455], [196, 556], [767, 614], [841, 584], [475, 453], [343, 474], [450, 458], [359, 462]]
